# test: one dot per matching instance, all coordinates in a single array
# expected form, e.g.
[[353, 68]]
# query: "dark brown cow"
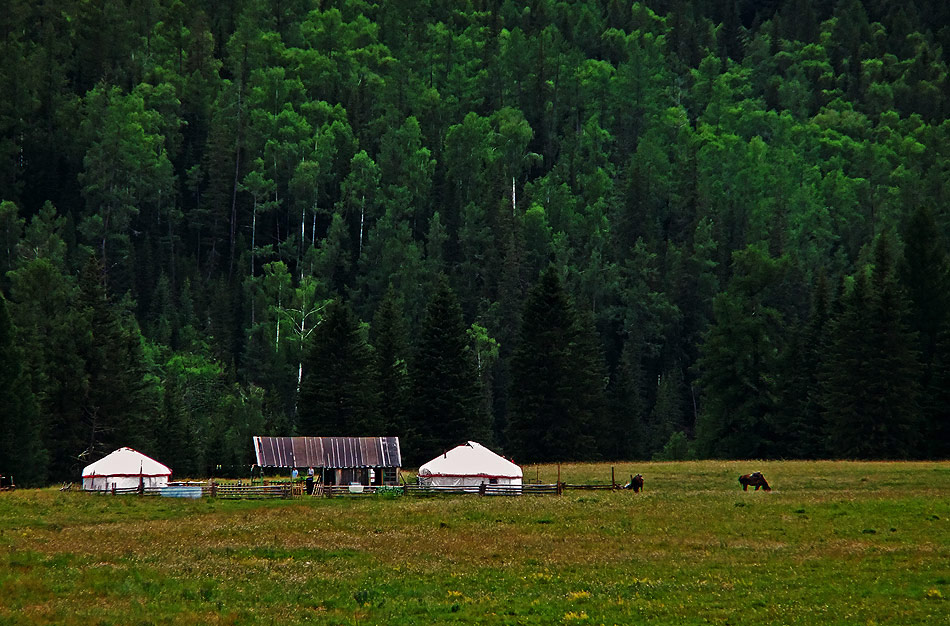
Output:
[[755, 479], [636, 483]]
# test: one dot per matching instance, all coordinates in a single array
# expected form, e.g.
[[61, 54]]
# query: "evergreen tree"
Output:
[[936, 429], [551, 379], [161, 323], [798, 21], [799, 420], [447, 402], [590, 371], [20, 444], [738, 364], [339, 393], [925, 273], [626, 405], [667, 418], [118, 406], [391, 343], [52, 337], [870, 378]]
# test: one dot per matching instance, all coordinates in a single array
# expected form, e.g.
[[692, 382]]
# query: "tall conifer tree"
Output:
[[20, 445], [447, 401], [339, 393], [925, 273], [936, 430], [52, 339], [391, 343], [870, 385], [667, 416], [799, 422], [627, 410], [738, 364], [552, 379], [117, 407]]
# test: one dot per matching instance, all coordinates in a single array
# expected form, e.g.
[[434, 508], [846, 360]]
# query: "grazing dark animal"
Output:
[[636, 483], [755, 479]]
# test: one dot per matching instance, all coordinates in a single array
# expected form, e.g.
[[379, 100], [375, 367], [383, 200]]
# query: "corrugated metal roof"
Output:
[[330, 452]]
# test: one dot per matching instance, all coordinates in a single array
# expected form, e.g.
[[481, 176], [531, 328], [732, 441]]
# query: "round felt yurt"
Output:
[[125, 469], [468, 466]]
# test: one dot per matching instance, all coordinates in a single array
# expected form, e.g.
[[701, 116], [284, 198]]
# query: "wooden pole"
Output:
[[613, 481]]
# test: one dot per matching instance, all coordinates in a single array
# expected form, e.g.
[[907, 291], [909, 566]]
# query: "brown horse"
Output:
[[636, 483], [755, 479]]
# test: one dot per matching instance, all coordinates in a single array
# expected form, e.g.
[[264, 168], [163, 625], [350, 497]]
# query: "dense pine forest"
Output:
[[568, 230]]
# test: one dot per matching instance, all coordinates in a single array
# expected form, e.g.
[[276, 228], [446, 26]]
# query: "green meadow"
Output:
[[833, 543]]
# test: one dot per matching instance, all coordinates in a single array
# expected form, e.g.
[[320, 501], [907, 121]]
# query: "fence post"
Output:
[[214, 489], [481, 489]]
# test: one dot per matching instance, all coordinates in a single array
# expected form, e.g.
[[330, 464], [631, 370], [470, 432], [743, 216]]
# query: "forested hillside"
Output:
[[569, 230]]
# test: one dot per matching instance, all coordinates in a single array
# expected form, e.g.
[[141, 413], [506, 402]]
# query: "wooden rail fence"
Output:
[[248, 492], [482, 490], [594, 487], [284, 490]]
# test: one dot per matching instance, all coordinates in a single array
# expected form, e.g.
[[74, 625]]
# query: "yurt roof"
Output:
[[126, 462], [471, 459]]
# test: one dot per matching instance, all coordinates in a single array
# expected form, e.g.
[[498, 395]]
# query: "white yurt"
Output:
[[469, 465], [124, 469]]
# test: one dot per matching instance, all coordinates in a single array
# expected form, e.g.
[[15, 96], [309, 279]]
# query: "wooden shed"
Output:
[[335, 460]]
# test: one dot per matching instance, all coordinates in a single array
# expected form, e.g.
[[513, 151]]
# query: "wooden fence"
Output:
[[355, 491], [248, 492], [593, 487], [285, 490], [212, 490], [482, 490], [430, 491]]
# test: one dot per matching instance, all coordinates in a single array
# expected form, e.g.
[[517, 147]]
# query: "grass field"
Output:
[[834, 543]]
